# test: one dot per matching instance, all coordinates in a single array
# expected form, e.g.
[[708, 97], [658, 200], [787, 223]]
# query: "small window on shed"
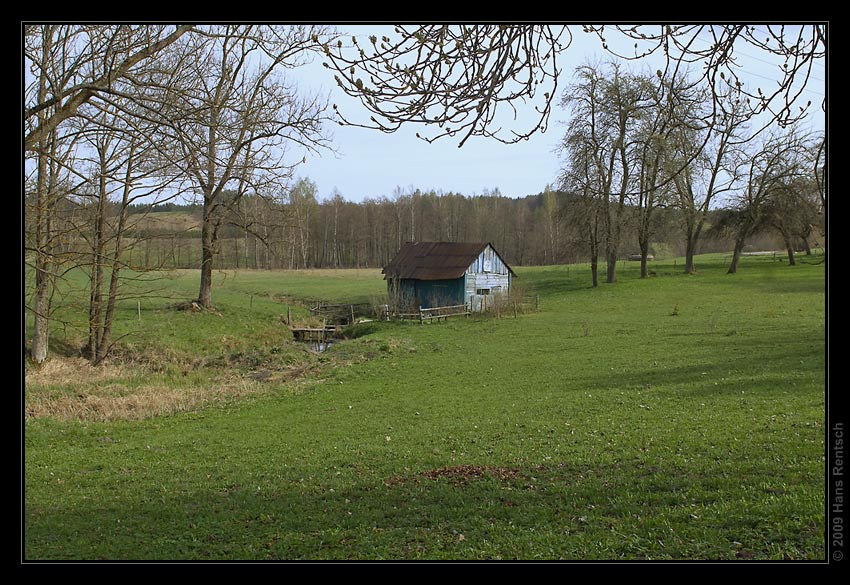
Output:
[[482, 291]]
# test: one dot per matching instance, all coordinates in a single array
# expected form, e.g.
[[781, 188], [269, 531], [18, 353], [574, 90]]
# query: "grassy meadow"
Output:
[[676, 417]]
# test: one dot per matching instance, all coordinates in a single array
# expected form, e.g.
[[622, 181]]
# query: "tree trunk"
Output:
[[611, 274], [806, 245], [43, 264], [644, 252], [96, 293], [612, 241], [690, 251], [41, 308], [106, 332], [594, 271], [98, 248], [736, 254], [41, 300], [205, 291], [790, 248]]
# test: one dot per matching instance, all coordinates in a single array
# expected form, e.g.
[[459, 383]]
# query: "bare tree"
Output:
[[122, 169], [237, 117], [49, 153], [792, 209], [773, 162], [67, 68], [605, 108], [585, 207], [94, 58], [43, 247], [705, 168], [673, 112]]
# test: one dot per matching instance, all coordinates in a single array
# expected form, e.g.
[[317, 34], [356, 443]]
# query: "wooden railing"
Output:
[[443, 312]]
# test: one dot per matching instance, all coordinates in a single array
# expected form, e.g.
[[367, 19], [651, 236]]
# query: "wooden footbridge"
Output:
[[314, 334]]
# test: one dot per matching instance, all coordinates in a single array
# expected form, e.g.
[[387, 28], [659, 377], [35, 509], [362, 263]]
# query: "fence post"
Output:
[[420, 315]]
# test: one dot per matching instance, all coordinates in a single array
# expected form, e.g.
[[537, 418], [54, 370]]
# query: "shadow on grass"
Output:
[[552, 282], [635, 508], [770, 368]]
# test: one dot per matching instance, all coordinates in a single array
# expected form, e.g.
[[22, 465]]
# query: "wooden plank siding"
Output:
[[487, 273]]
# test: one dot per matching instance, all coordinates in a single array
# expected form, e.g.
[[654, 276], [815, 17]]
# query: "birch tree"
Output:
[[302, 201], [551, 224]]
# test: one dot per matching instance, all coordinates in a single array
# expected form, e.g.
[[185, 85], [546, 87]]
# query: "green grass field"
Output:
[[677, 417]]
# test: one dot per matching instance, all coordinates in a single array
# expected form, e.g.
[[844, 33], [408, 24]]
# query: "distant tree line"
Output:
[[550, 227]]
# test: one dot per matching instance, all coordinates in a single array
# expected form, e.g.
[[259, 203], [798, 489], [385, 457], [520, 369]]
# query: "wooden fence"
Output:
[[346, 313], [438, 313], [503, 308]]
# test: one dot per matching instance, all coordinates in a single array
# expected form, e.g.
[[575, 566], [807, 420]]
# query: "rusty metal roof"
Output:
[[434, 260]]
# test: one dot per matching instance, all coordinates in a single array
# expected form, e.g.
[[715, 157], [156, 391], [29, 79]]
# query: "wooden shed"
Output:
[[438, 274]]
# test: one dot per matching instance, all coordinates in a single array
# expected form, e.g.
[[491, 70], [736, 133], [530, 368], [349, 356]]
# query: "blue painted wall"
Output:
[[431, 293]]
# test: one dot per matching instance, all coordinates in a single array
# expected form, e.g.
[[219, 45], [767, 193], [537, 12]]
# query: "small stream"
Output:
[[320, 346]]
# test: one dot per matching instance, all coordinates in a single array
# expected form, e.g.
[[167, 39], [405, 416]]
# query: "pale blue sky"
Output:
[[372, 164]]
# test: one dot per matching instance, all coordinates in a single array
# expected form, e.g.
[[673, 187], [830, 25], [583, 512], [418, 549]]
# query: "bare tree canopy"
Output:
[[237, 117], [716, 49], [455, 77], [92, 59]]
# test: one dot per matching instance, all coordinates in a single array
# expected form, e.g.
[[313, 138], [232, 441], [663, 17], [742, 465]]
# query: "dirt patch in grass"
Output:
[[461, 474]]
